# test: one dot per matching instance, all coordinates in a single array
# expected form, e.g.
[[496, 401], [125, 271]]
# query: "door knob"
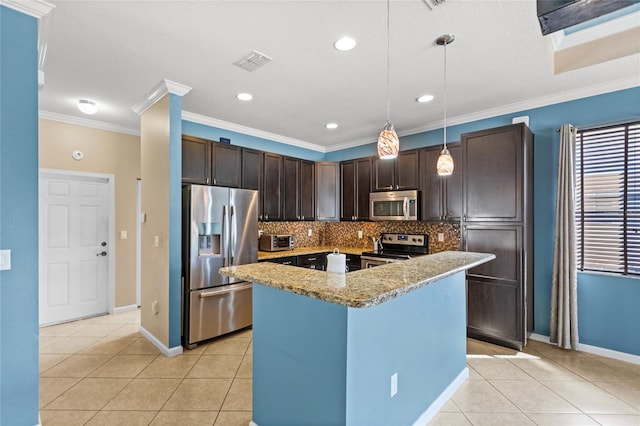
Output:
[[103, 244], [104, 253]]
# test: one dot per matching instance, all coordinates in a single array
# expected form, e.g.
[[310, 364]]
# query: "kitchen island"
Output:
[[380, 346]]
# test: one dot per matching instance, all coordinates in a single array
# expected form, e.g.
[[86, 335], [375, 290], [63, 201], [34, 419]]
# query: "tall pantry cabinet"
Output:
[[497, 217]]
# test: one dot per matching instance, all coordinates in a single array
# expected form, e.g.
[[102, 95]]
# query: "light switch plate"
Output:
[[123, 235], [5, 260]]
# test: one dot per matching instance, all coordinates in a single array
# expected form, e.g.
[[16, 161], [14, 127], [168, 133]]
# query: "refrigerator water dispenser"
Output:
[[209, 239]]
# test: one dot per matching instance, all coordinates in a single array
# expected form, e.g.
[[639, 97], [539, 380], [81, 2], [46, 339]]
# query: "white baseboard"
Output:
[[168, 352], [596, 350], [252, 423], [125, 308], [436, 405]]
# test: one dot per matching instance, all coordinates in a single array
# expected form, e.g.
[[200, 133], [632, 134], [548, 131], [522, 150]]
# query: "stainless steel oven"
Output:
[[396, 248]]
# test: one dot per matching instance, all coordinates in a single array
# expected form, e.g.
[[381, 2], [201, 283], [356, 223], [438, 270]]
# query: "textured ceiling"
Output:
[[114, 52]]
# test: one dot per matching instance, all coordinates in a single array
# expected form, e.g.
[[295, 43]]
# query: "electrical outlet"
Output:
[[440, 237], [123, 235], [154, 307], [394, 384], [156, 241], [309, 232], [360, 234]]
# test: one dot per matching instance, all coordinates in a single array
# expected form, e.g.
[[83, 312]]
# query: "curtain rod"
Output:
[[605, 123]]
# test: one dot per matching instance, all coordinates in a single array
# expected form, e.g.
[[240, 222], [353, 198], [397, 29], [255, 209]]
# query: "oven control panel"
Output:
[[416, 240]]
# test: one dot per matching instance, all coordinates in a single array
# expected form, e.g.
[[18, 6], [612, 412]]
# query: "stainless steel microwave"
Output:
[[393, 205], [276, 242]]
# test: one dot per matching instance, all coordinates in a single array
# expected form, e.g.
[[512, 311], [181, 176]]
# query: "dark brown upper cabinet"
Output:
[[196, 160], [398, 174], [441, 196], [207, 162], [299, 189], [327, 191], [226, 162], [494, 174], [272, 187], [355, 176], [251, 169]]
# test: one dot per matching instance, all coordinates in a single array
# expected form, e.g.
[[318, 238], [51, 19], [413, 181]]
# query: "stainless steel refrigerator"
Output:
[[220, 228]]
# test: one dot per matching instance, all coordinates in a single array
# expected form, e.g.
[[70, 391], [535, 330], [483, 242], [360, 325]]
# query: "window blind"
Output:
[[608, 199]]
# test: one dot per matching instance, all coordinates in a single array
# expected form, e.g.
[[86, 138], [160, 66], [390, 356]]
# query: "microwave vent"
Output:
[[253, 61]]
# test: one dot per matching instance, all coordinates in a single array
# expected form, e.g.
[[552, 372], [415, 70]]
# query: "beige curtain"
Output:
[[564, 292]]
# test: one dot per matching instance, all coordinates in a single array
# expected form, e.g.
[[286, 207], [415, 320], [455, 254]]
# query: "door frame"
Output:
[[110, 181]]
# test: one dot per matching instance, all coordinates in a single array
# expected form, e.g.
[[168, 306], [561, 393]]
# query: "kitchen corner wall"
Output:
[[345, 234]]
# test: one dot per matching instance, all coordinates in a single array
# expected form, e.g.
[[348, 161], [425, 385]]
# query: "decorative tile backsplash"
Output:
[[345, 234]]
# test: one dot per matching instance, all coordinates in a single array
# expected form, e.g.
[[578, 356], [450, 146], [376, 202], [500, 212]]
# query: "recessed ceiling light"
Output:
[[424, 98], [344, 44], [331, 125], [87, 107], [244, 96]]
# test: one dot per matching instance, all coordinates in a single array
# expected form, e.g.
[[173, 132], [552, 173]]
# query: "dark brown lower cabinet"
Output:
[[495, 292]]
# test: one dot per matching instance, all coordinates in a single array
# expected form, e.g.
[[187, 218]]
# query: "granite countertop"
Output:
[[266, 255], [364, 288]]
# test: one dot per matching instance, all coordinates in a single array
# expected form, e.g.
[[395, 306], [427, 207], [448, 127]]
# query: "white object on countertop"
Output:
[[336, 262]]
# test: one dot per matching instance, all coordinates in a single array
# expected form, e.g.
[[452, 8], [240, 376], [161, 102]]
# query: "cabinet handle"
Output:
[[206, 180], [259, 217], [286, 263], [266, 217], [397, 186], [311, 259], [464, 217], [214, 181]]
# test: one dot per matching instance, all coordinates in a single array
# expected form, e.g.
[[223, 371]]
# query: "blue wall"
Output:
[[246, 141], [19, 218], [318, 363], [175, 219], [544, 122]]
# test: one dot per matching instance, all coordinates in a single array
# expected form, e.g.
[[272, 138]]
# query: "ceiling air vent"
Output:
[[253, 61]]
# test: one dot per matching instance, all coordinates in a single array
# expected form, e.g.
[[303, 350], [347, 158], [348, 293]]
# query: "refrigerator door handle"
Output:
[[225, 225], [234, 236]]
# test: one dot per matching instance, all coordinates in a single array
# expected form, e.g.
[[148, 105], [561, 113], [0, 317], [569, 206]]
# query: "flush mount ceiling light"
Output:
[[331, 126], [445, 160], [344, 44], [388, 142], [87, 107], [244, 96], [424, 98]]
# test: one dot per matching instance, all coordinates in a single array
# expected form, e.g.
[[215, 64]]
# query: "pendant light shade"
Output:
[[444, 166], [445, 163], [388, 142]]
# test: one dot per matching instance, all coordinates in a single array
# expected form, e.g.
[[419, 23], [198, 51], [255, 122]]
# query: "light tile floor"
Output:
[[101, 371]]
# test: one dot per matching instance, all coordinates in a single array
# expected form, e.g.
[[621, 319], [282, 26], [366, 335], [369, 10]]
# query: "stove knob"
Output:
[[419, 240], [414, 240]]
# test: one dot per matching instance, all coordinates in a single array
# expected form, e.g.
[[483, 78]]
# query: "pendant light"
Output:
[[445, 160], [388, 143]]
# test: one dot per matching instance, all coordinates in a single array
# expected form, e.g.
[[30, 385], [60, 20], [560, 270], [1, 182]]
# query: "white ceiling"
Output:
[[115, 52]]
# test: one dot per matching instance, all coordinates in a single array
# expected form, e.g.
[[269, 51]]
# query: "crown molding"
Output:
[[101, 125], [208, 121], [35, 8], [161, 89]]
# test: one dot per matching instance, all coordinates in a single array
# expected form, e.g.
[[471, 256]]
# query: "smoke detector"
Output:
[[253, 61], [433, 3]]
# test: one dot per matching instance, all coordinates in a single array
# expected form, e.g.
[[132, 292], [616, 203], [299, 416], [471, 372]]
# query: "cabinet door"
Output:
[[495, 290], [383, 174], [431, 184], [327, 191], [291, 190], [407, 170], [453, 186], [363, 187], [226, 162], [251, 169], [493, 174], [272, 187], [307, 187], [196, 160], [348, 195]]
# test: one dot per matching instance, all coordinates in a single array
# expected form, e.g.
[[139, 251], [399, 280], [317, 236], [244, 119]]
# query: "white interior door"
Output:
[[74, 247]]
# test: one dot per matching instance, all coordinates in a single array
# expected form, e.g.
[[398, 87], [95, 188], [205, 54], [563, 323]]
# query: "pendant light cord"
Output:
[[388, 66], [445, 94]]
